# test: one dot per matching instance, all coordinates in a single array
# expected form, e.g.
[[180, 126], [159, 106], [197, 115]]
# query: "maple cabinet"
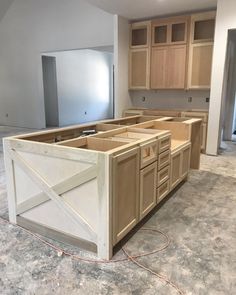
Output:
[[140, 34], [169, 51], [201, 50], [168, 67], [139, 68], [125, 193], [148, 177], [180, 164]]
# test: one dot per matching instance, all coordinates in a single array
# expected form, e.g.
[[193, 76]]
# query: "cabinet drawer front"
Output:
[[148, 153], [163, 191], [163, 175], [163, 159], [164, 143]]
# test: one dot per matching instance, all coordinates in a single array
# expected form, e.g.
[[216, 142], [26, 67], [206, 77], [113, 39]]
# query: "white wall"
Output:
[[84, 86], [121, 62], [225, 20], [31, 27], [170, 99]]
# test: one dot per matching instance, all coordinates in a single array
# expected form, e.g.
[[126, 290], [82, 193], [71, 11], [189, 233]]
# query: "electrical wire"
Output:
[[128, 257]]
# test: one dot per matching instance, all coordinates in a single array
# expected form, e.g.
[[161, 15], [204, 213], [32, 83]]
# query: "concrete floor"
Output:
[[201, 258]]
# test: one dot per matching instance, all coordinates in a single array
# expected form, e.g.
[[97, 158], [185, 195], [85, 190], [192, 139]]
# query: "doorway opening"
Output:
[[78, 86], [229, 98]]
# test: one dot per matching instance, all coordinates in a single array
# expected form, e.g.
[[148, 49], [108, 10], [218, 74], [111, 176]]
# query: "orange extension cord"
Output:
[[129, 257]]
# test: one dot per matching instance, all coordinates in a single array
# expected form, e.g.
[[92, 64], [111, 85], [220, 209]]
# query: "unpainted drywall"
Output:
[[225, 20], [30, 28], [121, 63], [171, 99], [84, 86]]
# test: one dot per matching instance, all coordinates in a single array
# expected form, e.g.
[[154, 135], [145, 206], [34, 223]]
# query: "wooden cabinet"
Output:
[[180, 164], [185, 161], [148, 153], [139, 55], [168, 67], [148, 177], [159, 68], [139, 68], [169, 52], [175, 168], [201, 49], [204, 117], [140, 34], [125, 193], [170, 31]]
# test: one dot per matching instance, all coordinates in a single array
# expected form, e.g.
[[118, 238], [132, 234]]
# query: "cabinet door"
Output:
[[175, 169], [140, 34], [185, 161], [148, 177], [159, 67], [200, 62], [125, 193], [177, 66], [139, 68], [160, 34]]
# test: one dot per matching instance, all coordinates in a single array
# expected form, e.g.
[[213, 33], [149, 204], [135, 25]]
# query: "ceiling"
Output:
[[140, 9], [4, 5]]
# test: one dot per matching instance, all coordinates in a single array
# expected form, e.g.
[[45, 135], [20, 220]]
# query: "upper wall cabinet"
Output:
[[140, 34], [169, 53], [139, 55], [172, 53], [170, 31], [139, 68], [200, 50]]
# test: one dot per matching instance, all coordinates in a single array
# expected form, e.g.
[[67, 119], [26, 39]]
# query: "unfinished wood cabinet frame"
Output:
[[163, 175], [163, 159], [203, 16], [17, 154], [148, 176], [148, 153], [129, 157], [169, 22], [141, 25], [144, 69], [163, 191], [51, 184], [191, 68]]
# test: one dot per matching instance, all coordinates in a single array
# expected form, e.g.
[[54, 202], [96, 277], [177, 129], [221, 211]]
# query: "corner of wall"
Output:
[[121, 62]]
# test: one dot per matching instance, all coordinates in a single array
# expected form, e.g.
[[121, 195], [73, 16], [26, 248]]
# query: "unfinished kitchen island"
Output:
[[91, 191]]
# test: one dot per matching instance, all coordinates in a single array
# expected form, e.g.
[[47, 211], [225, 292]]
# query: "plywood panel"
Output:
[[175, 169], [200, 65], [177, 66], [159, 67], [139, 69], [148, 178], [125, 193]]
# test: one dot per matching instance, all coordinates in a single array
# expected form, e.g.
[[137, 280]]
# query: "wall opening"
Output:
[[229, 92], [78, 86]]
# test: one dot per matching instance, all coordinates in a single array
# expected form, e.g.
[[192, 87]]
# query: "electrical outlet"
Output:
[[190, 99]]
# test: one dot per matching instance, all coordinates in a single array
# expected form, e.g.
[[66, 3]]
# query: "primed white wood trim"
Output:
[[45, 187], [60, 188]]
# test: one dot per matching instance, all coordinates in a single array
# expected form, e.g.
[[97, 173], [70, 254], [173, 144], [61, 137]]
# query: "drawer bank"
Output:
[[92, 190]]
